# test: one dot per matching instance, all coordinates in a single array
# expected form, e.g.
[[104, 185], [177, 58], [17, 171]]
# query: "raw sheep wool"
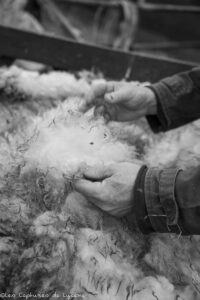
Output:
[[25, 94], [20, 84], [53, 242]]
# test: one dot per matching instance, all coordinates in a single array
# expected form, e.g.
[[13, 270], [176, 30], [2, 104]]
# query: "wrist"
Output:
[[150, 101], [140, 209]]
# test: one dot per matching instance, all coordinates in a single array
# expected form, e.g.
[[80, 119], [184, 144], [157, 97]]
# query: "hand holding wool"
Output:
[[110, 187], [122, 101]]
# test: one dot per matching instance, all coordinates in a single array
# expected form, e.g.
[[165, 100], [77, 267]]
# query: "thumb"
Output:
[[116, 96], [97, 172], [88, 189]]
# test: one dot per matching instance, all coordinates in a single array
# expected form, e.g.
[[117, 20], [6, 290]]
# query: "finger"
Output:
[[116, 97], [98, 173], [97, 90], [112, 86], [89, 189]]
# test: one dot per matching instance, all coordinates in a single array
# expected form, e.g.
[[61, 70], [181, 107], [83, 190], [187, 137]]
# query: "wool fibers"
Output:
[[28, 84], [64, 138], [52, 239]]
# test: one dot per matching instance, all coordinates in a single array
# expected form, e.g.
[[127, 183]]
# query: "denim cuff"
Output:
[[167, 195], [155, 210], [160, 199]]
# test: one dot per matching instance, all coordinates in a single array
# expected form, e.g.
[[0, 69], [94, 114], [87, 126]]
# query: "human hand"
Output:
[[110, 187], [122, 101]]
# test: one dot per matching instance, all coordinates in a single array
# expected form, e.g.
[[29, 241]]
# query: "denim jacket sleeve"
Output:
[[168, 201], [178, 101]]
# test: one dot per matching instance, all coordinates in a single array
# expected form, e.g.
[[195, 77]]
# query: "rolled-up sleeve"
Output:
[[168, 201], [178, 101], [162, 207]]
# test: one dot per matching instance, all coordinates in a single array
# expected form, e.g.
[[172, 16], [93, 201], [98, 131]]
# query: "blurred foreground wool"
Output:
[[52, 240]]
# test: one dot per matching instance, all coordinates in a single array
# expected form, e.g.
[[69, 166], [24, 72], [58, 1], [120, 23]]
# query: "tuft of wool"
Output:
[[25, 94], [64, 139], [56, 85], [178, 147]]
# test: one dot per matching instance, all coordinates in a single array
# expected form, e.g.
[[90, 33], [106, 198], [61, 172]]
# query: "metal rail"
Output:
[[97, 2], [168, 7], [167, 45]]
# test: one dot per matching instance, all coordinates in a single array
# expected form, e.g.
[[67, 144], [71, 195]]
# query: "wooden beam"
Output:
[[62, 53], [69, 55]]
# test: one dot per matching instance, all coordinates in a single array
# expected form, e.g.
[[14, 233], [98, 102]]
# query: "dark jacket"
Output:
[[168, 200]]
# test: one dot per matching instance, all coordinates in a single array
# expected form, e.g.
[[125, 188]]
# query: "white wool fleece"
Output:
[[65, 139], [58, 85], [55, 241], [107, 263]]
